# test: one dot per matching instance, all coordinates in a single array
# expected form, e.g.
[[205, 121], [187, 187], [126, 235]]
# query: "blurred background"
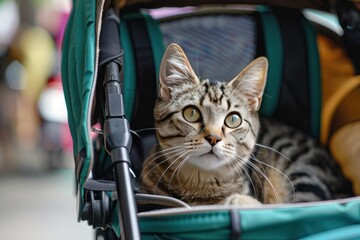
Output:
[[37, 185]]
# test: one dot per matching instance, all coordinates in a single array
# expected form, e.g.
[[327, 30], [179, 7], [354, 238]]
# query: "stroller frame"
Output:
[[117, 137], [117, 133]]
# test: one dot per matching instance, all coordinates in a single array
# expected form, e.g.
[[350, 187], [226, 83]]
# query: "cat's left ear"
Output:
[[251, 82]]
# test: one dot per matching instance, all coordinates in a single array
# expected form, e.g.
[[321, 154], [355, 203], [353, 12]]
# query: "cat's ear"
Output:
[[251, 82], [175, 71]]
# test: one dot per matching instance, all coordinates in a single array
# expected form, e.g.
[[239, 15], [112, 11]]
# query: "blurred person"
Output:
[[36, 49], [55, 134], [9, 24], [31, 59]]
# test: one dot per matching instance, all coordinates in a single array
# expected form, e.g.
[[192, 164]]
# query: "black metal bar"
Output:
[[117, 135], [129, 221], [118, 143]]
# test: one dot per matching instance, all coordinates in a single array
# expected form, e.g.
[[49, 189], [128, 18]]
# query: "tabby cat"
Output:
[[213, 149]]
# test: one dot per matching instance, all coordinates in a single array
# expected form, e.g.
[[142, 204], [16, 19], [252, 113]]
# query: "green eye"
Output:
[[233, 120], [192, 114]]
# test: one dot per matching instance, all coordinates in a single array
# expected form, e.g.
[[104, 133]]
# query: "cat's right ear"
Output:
[[251, 83], [175, 71]]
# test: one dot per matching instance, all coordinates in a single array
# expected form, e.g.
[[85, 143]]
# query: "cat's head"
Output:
[[208, 124]]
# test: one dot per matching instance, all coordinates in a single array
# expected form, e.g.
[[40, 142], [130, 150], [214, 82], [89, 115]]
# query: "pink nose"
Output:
[[213, 139]]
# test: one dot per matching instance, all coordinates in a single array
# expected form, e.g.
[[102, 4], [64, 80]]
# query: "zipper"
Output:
[[99, 14], [212, 208]]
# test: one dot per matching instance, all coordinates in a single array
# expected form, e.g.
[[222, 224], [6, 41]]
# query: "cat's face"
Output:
[[207, 125]]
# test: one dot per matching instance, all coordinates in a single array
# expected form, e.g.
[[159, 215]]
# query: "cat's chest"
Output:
[[209, 191]]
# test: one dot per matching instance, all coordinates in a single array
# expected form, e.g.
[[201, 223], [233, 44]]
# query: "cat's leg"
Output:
[[238, 199]]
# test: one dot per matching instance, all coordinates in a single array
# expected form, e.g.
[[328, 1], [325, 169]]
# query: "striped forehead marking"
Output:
[[214, 93]]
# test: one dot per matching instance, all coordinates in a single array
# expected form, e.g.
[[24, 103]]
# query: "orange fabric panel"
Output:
[[336, 69], [340, 123]]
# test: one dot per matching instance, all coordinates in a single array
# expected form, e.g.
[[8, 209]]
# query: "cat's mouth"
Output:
[[211, 153], [208, 160]]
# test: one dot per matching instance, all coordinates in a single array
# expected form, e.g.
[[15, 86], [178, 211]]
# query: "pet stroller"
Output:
[[111, 56]]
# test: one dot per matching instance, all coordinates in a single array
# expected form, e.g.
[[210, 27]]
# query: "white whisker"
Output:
[[144, 129], [177, 170], [256, 168], [234, 163], [274, 150], [174, 150], [277, 170], [173, 162]]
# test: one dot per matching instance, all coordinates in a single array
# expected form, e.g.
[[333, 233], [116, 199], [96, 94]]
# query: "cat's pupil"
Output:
[[233, 120], [191, 114]]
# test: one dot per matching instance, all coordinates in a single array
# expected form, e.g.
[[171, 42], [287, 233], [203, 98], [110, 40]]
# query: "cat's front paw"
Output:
[[238, 199]]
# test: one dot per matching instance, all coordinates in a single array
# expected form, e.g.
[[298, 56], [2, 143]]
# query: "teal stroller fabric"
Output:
[[330, 220], [78, 75], [319, 221]]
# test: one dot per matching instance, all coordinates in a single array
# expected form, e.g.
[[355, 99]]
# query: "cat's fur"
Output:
[[212, 149]]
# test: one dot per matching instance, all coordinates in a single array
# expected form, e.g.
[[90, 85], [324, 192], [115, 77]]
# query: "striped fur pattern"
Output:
[[212, 149]]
